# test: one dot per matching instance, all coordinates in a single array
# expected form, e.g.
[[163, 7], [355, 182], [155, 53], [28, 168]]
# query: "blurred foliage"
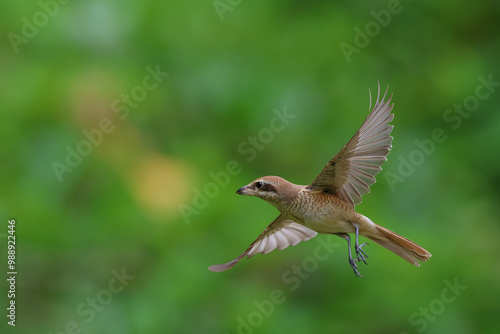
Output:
[[119, 207]]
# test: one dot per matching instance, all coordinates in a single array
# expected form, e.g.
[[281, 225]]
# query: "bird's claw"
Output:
[[355, 267], [360, 253]]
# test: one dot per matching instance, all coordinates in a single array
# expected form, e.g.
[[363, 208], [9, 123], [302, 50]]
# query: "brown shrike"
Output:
[[327, 205]]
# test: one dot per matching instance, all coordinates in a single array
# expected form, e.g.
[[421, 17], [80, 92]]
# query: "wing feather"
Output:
[[352, 171], [280, 234]]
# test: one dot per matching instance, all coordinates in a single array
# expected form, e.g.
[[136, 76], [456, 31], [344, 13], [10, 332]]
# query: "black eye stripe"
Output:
[[268, 187], [265, 186]]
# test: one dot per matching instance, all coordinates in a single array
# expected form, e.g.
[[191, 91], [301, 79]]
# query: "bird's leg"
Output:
[[360, 253], [352, 262]]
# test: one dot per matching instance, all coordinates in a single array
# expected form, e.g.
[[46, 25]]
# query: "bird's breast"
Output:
[[324, 213]]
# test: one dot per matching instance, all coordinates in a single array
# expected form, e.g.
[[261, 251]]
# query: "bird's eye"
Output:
[[259, 185]]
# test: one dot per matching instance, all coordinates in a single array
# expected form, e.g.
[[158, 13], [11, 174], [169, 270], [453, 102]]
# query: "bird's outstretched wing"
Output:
[[352, 171], [281, 233]]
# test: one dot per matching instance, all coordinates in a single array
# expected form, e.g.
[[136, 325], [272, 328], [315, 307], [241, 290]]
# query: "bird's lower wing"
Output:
[[280, 234]]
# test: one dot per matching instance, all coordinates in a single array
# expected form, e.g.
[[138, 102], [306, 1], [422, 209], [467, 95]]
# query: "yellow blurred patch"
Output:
[[160, 184]]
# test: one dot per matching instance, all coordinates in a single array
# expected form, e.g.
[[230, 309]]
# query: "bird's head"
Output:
[[272, 189]]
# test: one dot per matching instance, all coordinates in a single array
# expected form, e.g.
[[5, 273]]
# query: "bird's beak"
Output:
[[242, 191]]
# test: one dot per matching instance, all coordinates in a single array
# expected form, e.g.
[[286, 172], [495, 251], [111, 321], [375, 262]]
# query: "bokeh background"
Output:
[[120, 207]]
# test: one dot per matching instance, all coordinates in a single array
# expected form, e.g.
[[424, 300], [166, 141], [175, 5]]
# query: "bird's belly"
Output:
[[327, 221]]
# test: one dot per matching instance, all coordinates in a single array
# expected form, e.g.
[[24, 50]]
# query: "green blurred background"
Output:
[[120, 207]]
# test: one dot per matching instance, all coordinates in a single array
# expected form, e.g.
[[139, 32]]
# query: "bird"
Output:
[[327, 205]]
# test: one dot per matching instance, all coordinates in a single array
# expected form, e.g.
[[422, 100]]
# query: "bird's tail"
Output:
[[399, 245]]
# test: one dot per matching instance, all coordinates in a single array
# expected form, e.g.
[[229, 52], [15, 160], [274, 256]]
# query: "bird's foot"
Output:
[[355, 267], [360, 253]]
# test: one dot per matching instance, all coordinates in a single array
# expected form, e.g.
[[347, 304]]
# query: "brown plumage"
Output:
[[328, 204]]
